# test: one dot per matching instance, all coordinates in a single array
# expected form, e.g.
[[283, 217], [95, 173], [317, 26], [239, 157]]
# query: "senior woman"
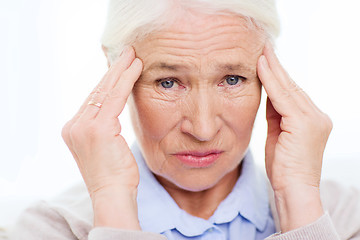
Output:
[[192, 73]]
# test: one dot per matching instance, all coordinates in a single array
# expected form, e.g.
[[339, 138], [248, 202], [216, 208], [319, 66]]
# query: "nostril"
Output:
[[205, 135], [201, 129]]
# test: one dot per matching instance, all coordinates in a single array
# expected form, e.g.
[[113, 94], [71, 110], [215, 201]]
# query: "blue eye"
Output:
[[233, 80], [167, 83]]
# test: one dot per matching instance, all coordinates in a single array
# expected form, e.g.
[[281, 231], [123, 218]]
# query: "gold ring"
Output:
[[96, 104]]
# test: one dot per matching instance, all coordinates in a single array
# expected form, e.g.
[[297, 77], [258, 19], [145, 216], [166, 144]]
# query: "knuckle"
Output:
[[75, 132], [116, 92], [293, 87], [82, 130], [324, 123], [98, 96], [286, 93], [66, 128], [292, 84], [98, 88], [65, 132], [298, 90], [327, 123], [85, 132], [93, 130]]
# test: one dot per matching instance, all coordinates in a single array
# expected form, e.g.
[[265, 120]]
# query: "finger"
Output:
[[116, 99], [299, 95], [99, 92], [274, 130], [113, 73], [273, 119], [107, 84], [280, 98], [275, 66], [116, 69]]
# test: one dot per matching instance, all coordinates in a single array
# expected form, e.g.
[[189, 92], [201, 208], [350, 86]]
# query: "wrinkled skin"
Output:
[[201, 111]]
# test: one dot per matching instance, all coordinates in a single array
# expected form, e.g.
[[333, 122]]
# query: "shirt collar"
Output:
[[248, 198]]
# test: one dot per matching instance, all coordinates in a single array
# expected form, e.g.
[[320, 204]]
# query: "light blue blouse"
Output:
[[244, 214]]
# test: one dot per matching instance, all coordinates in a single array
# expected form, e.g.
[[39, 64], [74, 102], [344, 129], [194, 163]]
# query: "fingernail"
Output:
[[137, 62]]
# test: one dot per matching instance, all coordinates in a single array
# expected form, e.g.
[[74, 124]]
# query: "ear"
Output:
[[105, 50]]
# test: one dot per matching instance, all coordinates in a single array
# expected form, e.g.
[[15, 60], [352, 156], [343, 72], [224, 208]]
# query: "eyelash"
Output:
[[241, 80], [160, 81]]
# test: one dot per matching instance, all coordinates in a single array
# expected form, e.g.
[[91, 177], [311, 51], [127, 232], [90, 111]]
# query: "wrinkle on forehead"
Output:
[[205, 30], [200, 39]]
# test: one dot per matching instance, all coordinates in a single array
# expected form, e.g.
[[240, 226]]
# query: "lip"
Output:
[[198, 159]]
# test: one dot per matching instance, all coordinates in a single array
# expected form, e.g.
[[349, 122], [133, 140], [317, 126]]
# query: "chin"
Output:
[[195, 180], [196, 185]]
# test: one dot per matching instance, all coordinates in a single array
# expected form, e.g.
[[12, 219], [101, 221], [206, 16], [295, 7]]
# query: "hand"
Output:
[[101, 153], [297, 135]]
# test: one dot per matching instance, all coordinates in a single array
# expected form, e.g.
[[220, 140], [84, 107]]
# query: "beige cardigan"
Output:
[[70, 218]]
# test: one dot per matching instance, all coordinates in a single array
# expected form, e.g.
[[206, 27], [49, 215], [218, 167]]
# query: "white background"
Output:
[[51, 58]]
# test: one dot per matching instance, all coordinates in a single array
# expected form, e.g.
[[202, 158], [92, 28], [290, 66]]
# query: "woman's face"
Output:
[[194, 106]]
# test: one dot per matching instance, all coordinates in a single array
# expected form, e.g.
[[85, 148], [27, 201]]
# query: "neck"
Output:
[[202, 204]]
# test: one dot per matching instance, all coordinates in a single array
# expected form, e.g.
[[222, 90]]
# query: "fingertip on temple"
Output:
[[262, 63]]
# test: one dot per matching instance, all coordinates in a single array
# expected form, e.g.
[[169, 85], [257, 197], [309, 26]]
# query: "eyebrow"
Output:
[[177, 67], [165, 66], [234, 67]]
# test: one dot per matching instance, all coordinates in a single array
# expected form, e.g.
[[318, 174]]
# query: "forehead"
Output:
[[209, 39]]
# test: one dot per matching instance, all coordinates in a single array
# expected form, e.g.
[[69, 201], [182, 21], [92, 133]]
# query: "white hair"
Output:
[[131, 20]]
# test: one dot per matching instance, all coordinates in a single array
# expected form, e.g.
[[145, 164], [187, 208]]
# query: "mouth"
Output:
[[196, 159]]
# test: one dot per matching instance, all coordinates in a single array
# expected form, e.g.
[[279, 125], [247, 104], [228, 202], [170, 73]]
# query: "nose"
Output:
[[201, 116]]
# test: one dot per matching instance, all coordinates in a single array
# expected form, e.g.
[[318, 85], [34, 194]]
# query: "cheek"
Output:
[[156, 117], [153, 118], [240, 112]]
